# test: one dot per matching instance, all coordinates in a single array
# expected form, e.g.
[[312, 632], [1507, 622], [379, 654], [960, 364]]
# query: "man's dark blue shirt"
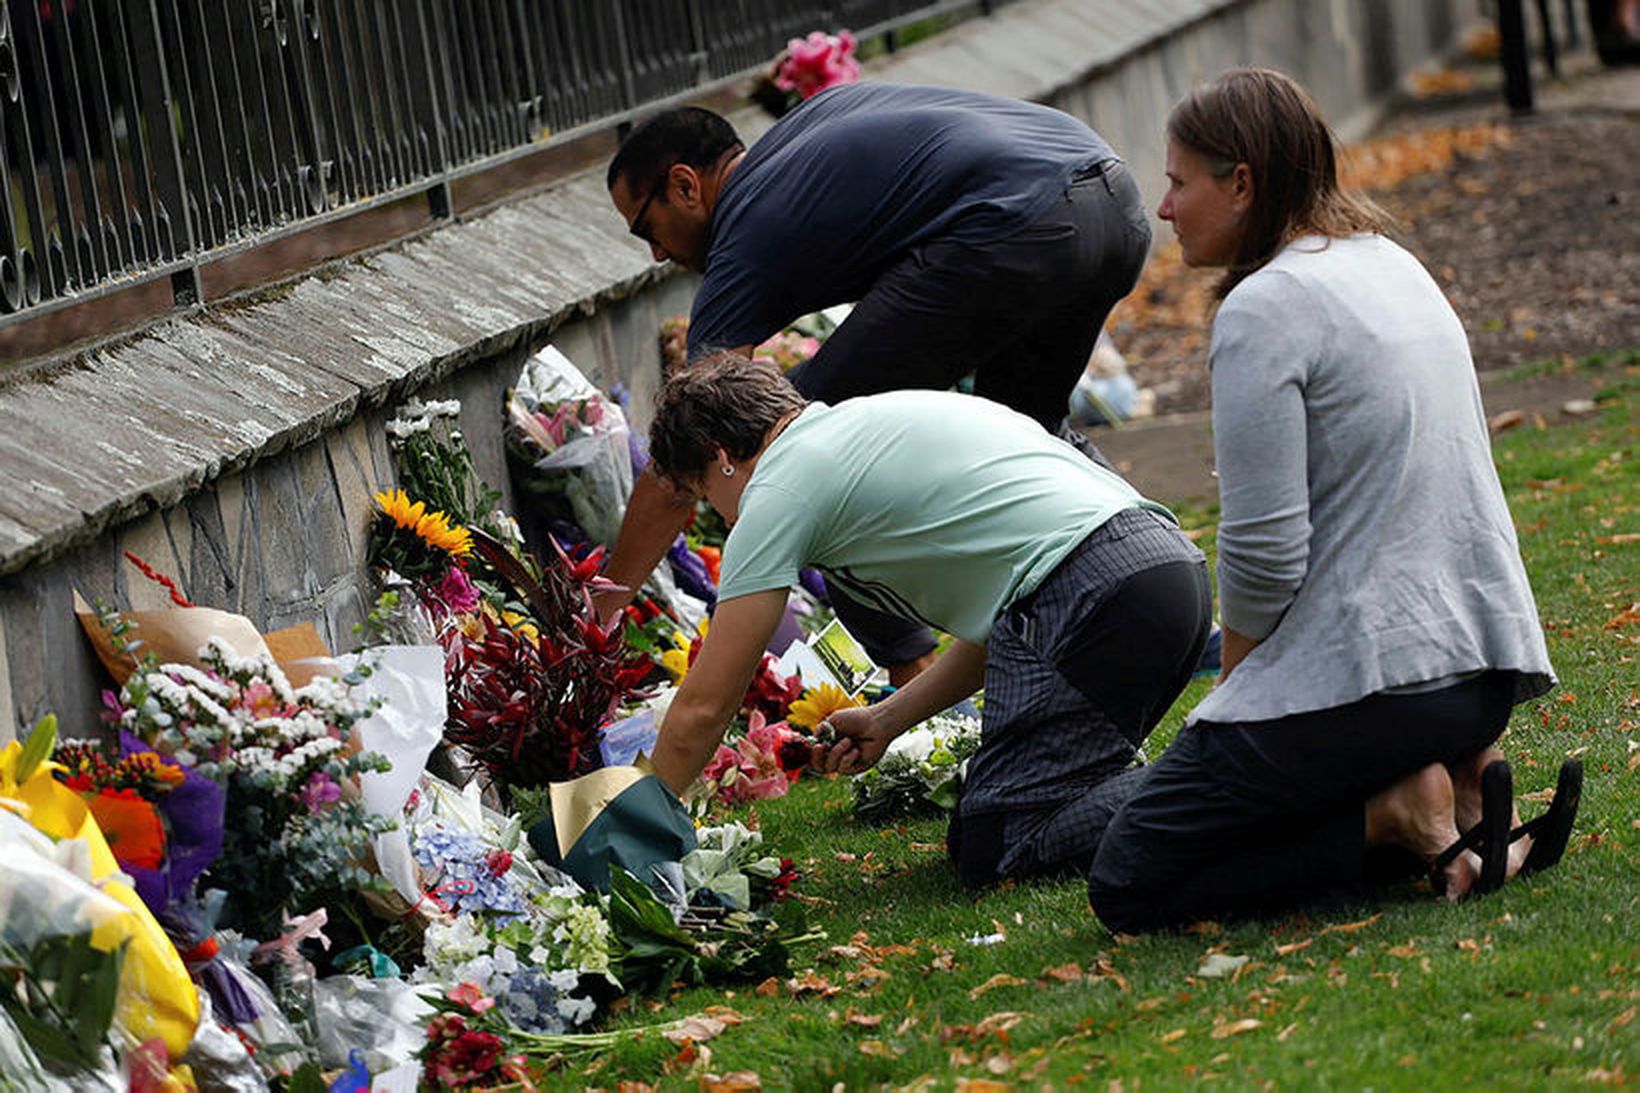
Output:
[[845, 185]]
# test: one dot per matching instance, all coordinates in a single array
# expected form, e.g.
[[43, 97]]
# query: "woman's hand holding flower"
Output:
[[862, 737]]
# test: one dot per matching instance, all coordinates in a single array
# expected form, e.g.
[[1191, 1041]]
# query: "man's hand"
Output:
[[655, 514], [861, 740]]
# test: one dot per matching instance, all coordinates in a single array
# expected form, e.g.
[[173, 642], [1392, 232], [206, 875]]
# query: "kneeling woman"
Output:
[[1378, 624], [1076, 602]]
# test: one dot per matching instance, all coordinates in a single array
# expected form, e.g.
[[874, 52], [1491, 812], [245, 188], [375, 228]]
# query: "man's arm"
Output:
[[654, 515], [713, 689]]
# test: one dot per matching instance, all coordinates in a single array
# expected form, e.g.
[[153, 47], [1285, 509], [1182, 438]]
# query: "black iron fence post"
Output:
[[1517, 70]]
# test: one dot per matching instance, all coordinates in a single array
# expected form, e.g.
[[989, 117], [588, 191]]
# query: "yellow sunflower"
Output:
[[817, 704], [433, 528]]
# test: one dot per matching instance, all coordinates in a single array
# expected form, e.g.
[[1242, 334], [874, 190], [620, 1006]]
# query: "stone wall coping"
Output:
[[135, 425]]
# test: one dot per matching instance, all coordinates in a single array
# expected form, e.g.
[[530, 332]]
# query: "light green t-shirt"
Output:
[[930, 505]]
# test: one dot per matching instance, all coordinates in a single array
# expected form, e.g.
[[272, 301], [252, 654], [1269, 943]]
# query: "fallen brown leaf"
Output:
[[878, 1049], [1001, 979], [865, 1020], [1236, 1028], [739, 1081], [695, 1029], [1000, 1063], [726, 1015], [1065, 973], [1351, 927], [768, 988], [1104, 969], [1294, 947], [1406, 952], [1176, 1034], [809, 983], [999, 1022], [981, 1085]]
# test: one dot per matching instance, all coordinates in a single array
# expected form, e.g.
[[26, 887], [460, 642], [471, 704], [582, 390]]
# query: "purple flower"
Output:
[[320, 792], [690, 572]]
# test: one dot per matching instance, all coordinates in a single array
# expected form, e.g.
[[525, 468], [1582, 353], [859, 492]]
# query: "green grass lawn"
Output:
[[1535, 986]]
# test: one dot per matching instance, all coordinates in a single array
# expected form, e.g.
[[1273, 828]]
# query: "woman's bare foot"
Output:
[[1466, 795], [1417, 814]]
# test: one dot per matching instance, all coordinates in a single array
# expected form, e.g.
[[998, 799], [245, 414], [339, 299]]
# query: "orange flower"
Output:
[[130, 825]]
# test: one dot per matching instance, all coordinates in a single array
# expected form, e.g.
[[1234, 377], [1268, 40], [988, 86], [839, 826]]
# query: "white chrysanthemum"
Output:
[[202, 681]]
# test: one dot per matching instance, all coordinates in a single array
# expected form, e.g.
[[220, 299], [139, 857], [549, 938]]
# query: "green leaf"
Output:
[[38, 747], [306, 1079]]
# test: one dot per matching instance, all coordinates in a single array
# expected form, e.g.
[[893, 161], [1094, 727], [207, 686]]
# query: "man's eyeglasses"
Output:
[[639, 228]]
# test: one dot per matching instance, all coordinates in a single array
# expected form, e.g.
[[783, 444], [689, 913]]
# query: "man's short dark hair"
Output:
[[688, 134]]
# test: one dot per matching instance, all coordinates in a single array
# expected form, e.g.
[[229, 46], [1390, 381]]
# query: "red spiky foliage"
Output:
[[527, 706]]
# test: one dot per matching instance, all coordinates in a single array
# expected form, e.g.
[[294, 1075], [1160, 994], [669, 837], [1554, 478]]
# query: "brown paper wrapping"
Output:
[[175, 636]]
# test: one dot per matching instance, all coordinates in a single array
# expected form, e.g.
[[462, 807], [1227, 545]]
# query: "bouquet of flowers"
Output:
[[729, 864], [528, 697], [919, 773], [806, 67], [436, 466], [568, 444], [291, 837], [540, 946], [764, 762]]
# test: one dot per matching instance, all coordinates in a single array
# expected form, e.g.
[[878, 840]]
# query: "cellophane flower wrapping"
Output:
[[59, 960], [568, 442]]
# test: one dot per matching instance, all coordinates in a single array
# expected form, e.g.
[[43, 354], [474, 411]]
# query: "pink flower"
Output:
[[472, 996], [817, 62], [259, 698], [457, 591], [320, 792], [751, 770]]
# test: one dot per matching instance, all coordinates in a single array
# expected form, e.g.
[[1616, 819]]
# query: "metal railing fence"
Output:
[[142, 138]]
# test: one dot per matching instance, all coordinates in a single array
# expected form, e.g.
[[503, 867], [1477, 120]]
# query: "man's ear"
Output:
[[684, 181]]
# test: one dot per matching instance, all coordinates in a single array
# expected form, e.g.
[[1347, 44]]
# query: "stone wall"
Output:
[[237, 448]]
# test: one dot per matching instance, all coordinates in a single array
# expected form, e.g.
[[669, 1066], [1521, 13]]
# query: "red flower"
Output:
[[498, 862], [466, 1059]]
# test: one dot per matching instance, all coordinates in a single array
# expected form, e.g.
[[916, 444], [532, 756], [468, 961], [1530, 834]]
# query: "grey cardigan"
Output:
[[1363, 533]]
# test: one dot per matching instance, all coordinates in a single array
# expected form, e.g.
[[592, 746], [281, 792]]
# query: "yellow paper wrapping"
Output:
[[157, 998]]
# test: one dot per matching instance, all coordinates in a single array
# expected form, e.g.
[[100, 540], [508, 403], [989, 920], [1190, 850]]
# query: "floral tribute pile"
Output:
[[265, 869]]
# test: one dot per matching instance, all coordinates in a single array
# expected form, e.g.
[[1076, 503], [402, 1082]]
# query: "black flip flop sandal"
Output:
[[1489, 838], [1551, 831]]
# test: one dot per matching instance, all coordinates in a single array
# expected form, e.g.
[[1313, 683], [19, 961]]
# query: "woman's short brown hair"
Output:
[[722, 400], [1266, 120]]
